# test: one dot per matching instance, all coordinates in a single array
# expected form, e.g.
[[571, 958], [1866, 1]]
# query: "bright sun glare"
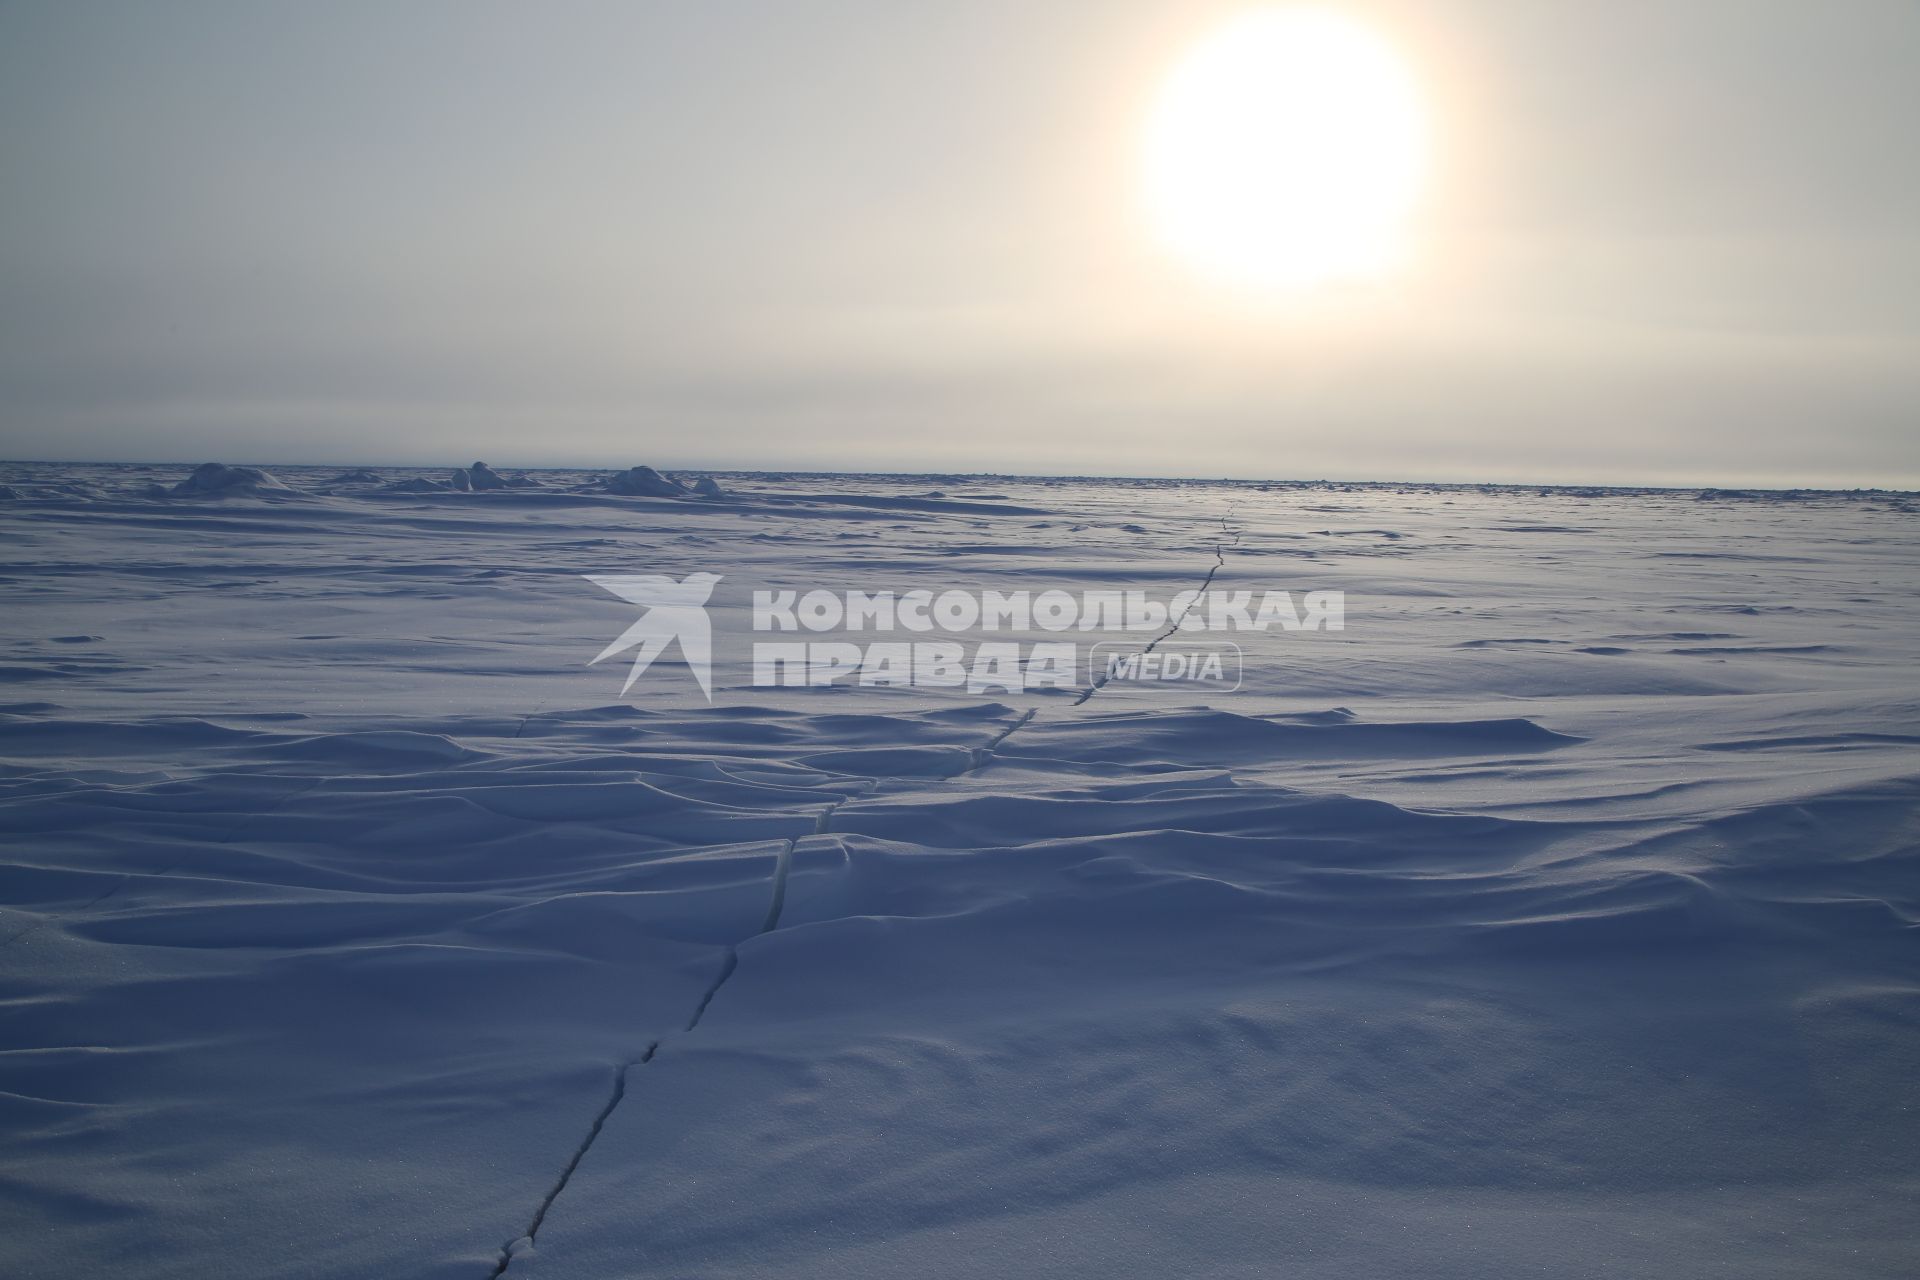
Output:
[[1285, 151]]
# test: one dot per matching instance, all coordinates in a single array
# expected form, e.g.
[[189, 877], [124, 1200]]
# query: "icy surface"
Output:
[[1555, 918]]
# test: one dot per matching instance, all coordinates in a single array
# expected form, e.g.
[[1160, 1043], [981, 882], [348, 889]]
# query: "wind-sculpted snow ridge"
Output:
[[389, 950], [522, 1246], [1105, 1023], [1555, 918]]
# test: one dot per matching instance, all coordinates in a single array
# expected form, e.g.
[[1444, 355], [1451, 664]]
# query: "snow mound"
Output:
[[708, 487], [218, 480], [644, 482]]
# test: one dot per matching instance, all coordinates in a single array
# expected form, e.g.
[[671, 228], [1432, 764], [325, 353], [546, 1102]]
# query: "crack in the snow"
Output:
[[783, 863], [731, 963], [1230, 538], [513, 1248], [978, 758], [526, 720], [826, 814], [781, 866]]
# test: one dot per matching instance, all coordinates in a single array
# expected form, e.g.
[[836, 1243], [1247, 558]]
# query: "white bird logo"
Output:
[[675, 611]]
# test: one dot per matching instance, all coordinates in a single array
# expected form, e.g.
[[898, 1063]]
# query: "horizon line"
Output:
[[1616, 486]]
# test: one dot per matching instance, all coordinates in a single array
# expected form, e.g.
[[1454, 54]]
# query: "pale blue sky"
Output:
[[1665, 240]]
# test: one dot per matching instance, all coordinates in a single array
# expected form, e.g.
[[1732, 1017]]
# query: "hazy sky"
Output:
[[1661, 240]]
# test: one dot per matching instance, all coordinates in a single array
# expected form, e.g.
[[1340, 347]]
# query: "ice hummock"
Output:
[[644, 482], [218, 480]]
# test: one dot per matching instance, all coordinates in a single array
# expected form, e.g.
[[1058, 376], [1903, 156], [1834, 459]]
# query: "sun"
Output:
[[1286, 150]]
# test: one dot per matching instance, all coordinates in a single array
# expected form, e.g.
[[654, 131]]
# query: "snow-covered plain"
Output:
[[1556, 918]]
